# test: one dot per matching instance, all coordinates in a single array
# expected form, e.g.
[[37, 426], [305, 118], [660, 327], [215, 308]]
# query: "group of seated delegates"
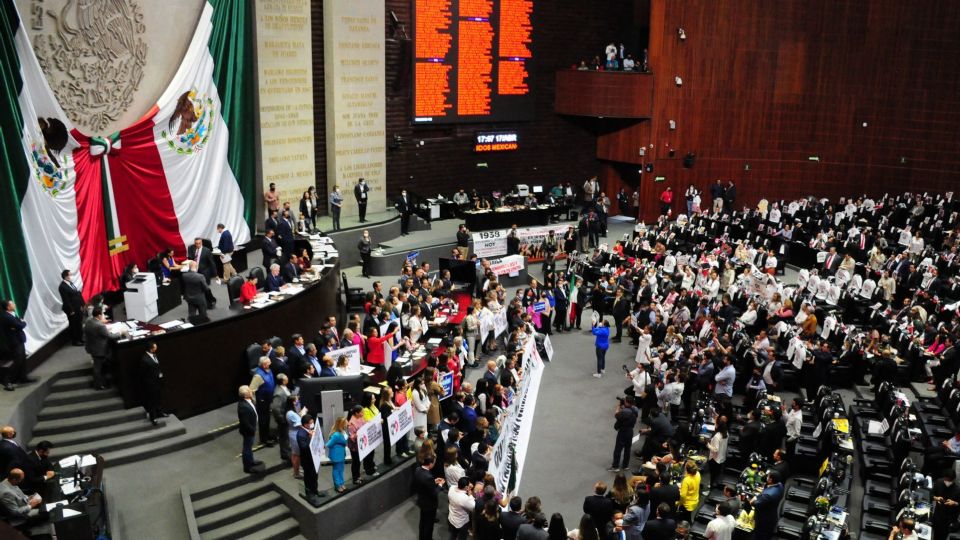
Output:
[[25, 475], [720, 322], [559, 195]]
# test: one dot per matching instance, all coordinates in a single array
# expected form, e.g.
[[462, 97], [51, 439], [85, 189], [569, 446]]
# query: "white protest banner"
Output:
[[387, 355], [507, 265], [385, 328], [369, 436], [353, 351], [318, 448], [500, 322], [400, 422], [486, 323], [517, 424], [490, 243], [533, 236], [548, 348]]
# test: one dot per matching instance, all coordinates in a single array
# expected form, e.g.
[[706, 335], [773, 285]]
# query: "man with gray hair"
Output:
[[274, 280], [263, 385], [247, 415], [195, 291]]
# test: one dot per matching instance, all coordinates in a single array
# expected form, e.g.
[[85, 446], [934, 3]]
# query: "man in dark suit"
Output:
[[295, 356], [290, 271], [38, 468], [151, 379], [12, 455], [204, 259], [360, 191], [274, 279], [661, 528], [561, 304], [98, 345], [598, 506], [195, 291], [285, 234], [272, 222], [247, 415], [405, 207], [832, 262], [268, 247], [766, 507], [71, 300], [14, 338], [664, 492], [512, 519], [427, 489]]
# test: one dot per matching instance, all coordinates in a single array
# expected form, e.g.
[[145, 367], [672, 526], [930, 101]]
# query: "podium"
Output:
[[140, 299]]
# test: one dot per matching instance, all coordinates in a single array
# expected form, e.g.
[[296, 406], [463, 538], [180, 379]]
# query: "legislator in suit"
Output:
[[71, 300], [204, 259], [14, 338], [12, 455], [361, 191], [226, 247], [195, 291], [766, 507], [247, 416], [38, 469], [289, 271], [97, 337], [427, 491], [268, 246], [274, 280], [16, 507], [285, 235], [405, 207], [151, 381]]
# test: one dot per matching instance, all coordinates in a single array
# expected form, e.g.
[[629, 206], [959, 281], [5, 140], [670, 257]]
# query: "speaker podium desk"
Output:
[[203, 365]]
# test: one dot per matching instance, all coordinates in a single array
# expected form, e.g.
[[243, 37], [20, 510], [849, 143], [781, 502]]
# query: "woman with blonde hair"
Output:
[[337, 451], [621, 493]]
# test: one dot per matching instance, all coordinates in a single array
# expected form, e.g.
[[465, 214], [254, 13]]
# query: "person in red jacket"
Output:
[[666, 201], [248, 291], [375, 346]]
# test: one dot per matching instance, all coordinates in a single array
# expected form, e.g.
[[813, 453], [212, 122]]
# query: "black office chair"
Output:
[[354, 295], [253, 354], [276, 342], [257, 272], [233, 289]]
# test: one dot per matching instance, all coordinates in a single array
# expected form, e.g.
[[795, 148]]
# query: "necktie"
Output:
[[200, 249], [863, 240]]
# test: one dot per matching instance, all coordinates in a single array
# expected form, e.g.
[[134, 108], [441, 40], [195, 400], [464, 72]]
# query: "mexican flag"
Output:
[[94, 203]]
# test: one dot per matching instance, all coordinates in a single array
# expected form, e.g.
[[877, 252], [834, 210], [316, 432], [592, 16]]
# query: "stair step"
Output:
[[148, 435], [283, 530], [157, 448], [116, 429], [75, 373], [219, 500], [277, 517], [71, 383], [46, 428], [247, 506], [79, 395], [92, 407], [244, 480]]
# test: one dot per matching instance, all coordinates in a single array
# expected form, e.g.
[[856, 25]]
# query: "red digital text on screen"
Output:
[[516, 28], [475, 64], [433, 24], [433, 89]]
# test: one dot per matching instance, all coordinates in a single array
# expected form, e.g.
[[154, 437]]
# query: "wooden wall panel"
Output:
[[604, 94], [771, 84]]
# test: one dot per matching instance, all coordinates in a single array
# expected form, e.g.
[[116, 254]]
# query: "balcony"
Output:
[[604, 94]]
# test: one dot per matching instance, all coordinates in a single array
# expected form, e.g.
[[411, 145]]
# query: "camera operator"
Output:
[[626, 420]]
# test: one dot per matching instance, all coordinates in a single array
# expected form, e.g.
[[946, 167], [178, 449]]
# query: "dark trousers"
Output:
[[404, 222], [283, 437], [601, 359], [354, 465], [335, 212], [365, 257], [560, 318], [369, 466], [99, 378], [247, 452], [309, 478], [619, 323], [76, 326], [18, 371], [362, 207], [621, 450], [459, 533], [197, 308], [545, 324], [151, 399], [578, 315], [263, 417], [387, 450], [715, 472], [427, 515]]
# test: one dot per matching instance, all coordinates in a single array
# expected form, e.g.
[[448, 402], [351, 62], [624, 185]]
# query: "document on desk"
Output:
[[51, 506], [171, 324], [69, 489], [69, 461]]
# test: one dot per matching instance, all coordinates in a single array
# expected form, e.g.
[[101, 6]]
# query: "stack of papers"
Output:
[[85, 461], [171, 324]]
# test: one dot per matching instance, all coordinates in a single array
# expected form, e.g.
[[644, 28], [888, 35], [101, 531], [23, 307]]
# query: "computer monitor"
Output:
[[538, 189]]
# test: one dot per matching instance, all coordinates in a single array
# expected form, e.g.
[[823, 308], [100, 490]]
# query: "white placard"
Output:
[[548, 348], [486, 324], [353, 351], [490, 243], [400, 422], [500, 322], [507, 265], [369, 436], [318, 448]]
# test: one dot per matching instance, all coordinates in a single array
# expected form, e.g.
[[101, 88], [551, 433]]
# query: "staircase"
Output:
[[80, 420], [248, 508]]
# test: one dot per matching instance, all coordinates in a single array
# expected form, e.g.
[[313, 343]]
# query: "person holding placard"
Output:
[[304, 434], [337, 452]]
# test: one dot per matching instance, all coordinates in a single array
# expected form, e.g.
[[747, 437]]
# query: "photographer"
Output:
[[626, 419]]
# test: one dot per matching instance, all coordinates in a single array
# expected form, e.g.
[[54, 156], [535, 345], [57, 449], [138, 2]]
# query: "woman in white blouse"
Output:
[[888, 285], [416, 325], [421, 404], [689, 278]]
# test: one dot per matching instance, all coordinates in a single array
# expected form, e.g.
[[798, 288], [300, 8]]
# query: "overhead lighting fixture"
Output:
[[681, 33]]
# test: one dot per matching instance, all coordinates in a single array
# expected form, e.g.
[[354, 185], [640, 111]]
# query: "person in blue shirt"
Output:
[[601, 329], [337, 452], [766, 507]]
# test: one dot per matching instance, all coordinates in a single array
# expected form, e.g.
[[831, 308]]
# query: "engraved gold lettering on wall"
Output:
[[93, 54], [355, 98], [285, 68]]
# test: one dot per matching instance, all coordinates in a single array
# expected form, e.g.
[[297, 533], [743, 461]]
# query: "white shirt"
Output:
[[725, 380], [749, 317], [721, 528], [640, 380], [643, 349], [718, 448], [461, 506], [794, 420], [453, 473]]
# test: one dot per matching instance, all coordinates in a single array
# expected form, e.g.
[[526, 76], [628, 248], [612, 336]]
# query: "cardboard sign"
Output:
[[318, 448], [500, 322], [353, 351], [507, 265], [539, 307], [548, 348], [400, 422], [446, 381], [369, 436]]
